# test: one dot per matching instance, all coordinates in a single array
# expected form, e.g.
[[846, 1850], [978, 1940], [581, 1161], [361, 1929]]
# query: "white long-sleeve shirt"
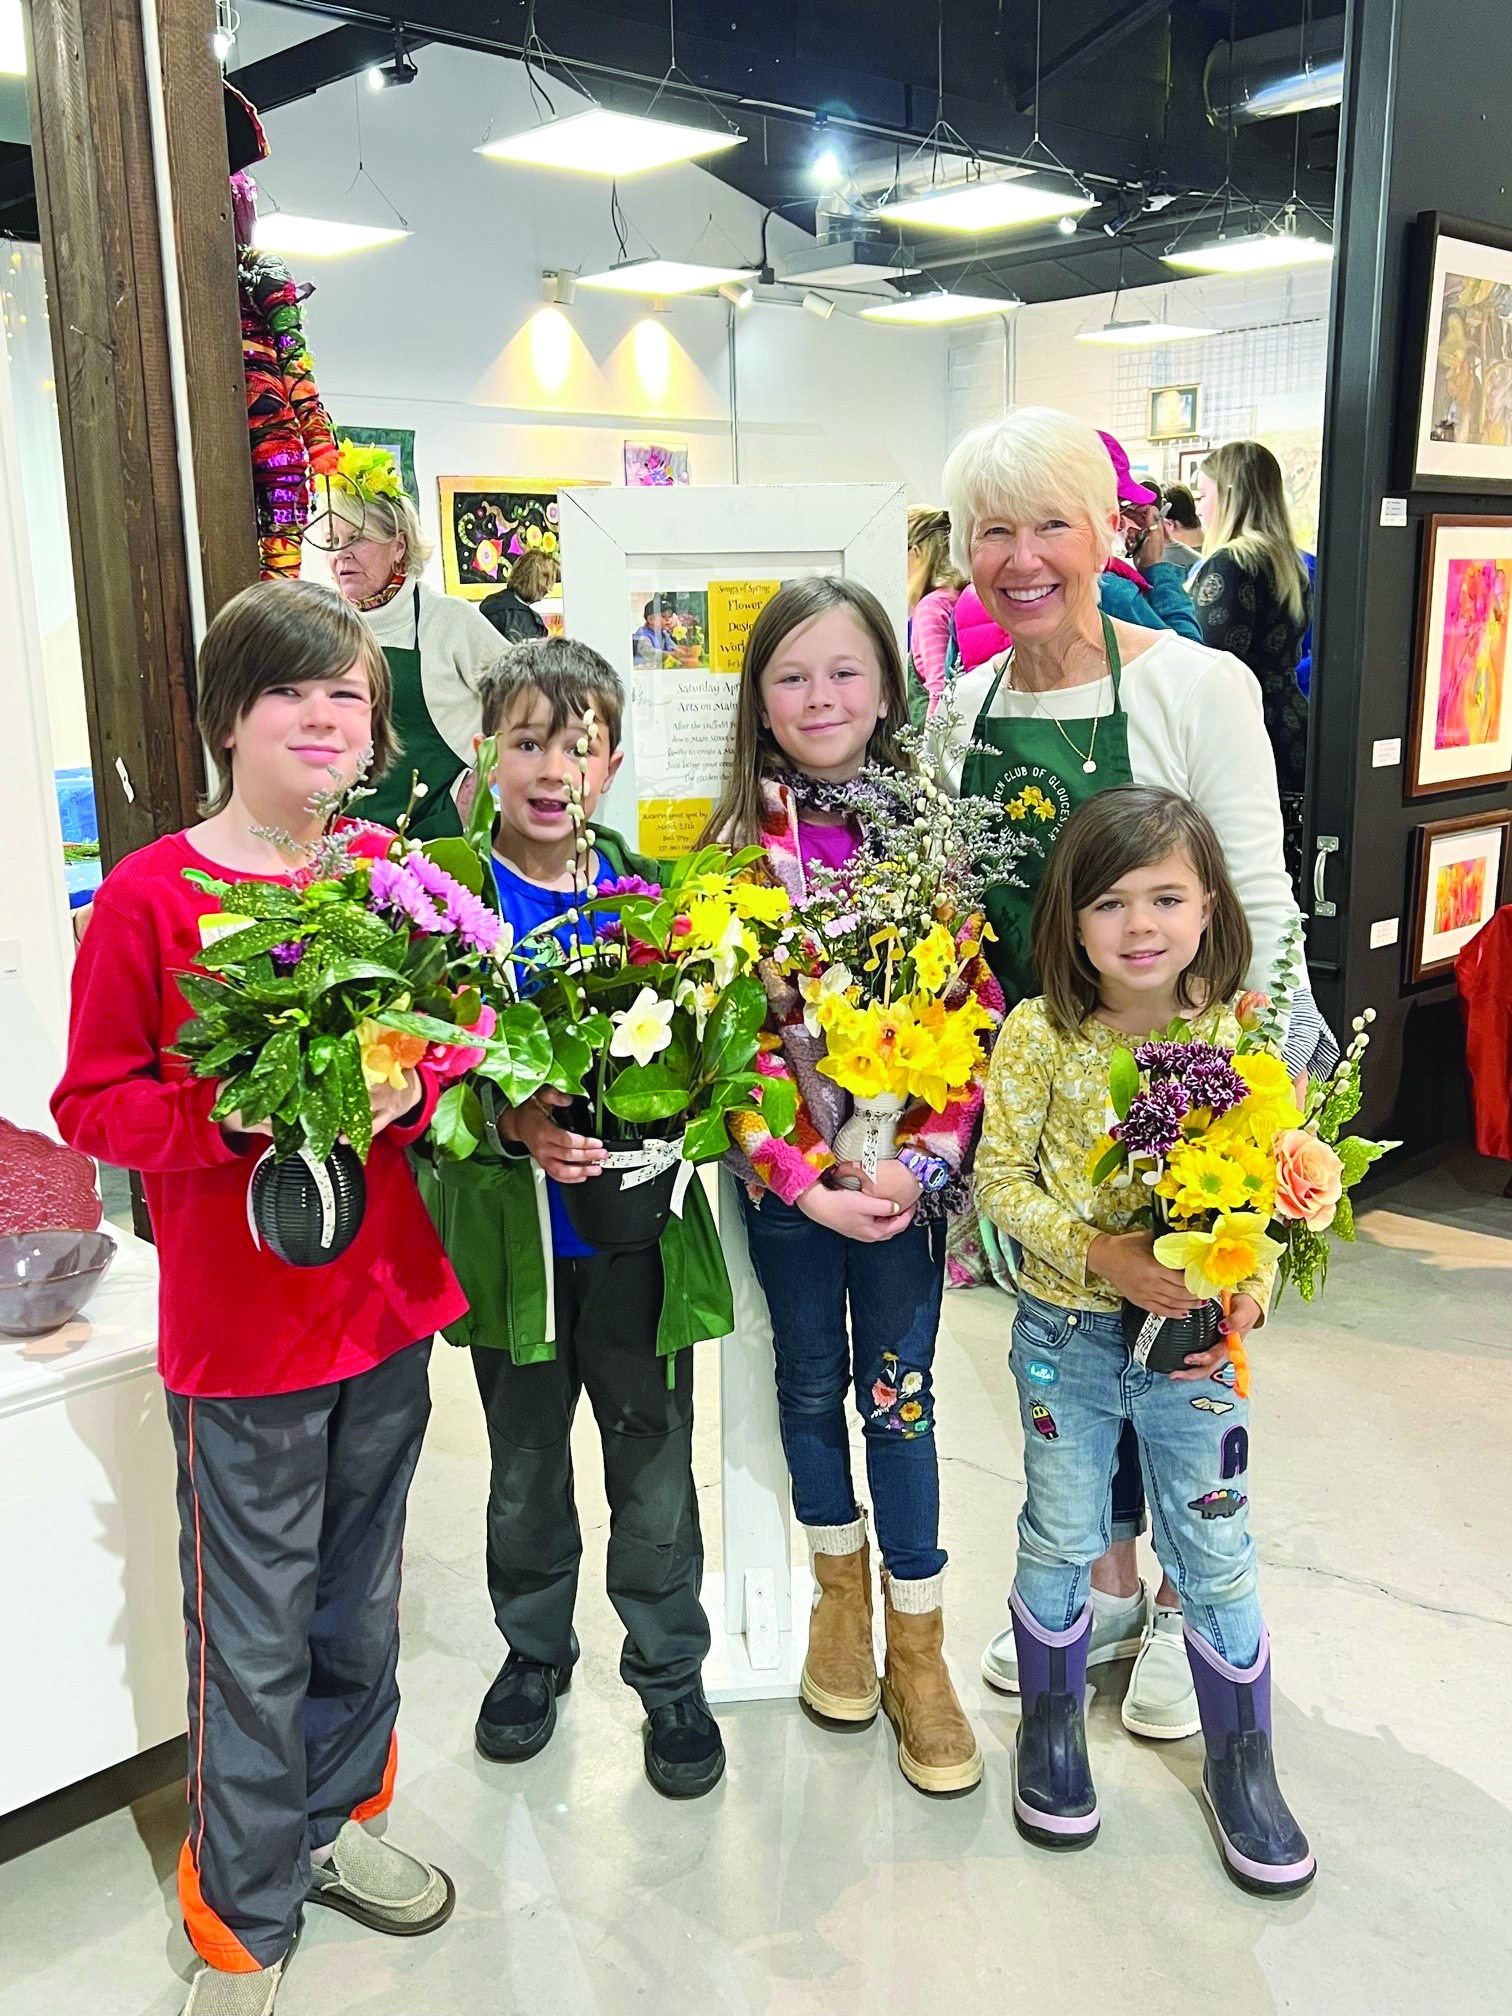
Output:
[[457, 646], [1196, 727]]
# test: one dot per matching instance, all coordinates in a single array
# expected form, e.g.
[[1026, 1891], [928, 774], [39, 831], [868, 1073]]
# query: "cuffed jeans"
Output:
[[1077, 1389], [814, 1279]]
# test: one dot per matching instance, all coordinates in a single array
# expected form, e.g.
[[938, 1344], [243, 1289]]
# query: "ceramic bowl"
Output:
[[47, 1277]]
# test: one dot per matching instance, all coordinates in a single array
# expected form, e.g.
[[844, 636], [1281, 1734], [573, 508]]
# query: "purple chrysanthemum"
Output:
[[1205, 1071], [628, 885], [1152, 1125], [392, 886], [470, 918]]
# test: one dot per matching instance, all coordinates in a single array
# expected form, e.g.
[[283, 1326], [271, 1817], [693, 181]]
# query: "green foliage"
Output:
[[1123, 1081], [457, 1125], [1108, 1164]]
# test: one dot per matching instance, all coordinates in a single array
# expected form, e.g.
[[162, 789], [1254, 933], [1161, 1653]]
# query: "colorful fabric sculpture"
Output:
[[293, 441]]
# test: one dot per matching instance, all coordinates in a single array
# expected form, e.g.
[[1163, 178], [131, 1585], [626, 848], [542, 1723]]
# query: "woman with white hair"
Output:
[[1078, 703], [438, 647]]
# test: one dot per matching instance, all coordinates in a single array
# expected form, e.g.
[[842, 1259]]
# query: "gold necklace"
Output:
[[1086, 756]]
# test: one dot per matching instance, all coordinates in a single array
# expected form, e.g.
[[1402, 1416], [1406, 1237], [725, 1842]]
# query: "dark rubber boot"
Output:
[[1264, 1850], [1054, 1799]]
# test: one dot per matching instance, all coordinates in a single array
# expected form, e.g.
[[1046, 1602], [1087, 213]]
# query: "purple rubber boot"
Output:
[[1054, 1800], [1264, 1850]]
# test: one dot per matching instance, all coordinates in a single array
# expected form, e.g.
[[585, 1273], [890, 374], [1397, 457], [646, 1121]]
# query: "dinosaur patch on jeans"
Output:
[[899, 1401], [1218, 1504]]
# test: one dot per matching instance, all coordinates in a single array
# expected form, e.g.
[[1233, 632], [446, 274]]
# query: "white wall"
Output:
[[1261, 371], [446, 332]]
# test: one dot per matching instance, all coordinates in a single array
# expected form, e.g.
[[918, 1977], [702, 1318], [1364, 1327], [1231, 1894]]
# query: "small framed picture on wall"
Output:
[[1188, 462], [1461, 715], [1455, 426], [1175, 412], [1461, 867]]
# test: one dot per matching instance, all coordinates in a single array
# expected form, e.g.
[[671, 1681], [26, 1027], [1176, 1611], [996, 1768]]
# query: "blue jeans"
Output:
[[813, 1278], [1077, 1388]]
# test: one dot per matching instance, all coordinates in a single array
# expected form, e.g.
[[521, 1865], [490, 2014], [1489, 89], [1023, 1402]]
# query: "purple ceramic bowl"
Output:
[[47, 1277]]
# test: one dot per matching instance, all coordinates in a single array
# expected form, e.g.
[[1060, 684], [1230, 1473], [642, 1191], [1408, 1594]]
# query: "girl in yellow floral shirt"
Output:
[[1136, 923]]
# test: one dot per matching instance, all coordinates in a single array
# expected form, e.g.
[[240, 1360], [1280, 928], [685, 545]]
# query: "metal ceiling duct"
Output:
[[1274, 75]]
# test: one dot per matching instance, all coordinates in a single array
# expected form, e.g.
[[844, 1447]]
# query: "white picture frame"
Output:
[[616, 542]]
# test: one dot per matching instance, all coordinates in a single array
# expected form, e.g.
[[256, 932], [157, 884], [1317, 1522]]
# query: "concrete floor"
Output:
[[815, 1882]]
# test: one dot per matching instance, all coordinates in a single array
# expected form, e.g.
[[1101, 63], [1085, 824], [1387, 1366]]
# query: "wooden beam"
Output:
[[102, 256]]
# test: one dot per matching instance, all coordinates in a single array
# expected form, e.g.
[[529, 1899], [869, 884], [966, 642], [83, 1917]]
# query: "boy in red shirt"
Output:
[[298, 1397]]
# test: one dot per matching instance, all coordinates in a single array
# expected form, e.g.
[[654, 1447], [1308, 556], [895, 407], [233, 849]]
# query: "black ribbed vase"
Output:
[[1162, 1343], [307, 1213]]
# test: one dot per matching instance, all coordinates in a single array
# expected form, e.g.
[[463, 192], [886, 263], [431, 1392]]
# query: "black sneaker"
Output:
[[684, 1755], [519, 1710]]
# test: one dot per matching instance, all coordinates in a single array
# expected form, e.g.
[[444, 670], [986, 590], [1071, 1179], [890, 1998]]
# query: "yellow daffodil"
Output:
[[834, 979], [642, 1029], [934, 959], [1214, 1261], [1271, 1106]]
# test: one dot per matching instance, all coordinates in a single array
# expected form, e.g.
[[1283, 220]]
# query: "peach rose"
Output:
[[1309, 1178]]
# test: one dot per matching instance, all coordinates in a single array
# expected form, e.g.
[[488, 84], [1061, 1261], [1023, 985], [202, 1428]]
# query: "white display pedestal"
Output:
[[93, 1671], [759, 1607]]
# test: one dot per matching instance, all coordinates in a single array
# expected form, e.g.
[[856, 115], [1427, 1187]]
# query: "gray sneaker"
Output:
[[1161, 1702], [380, 1886], [1117, 1633], [216, 1993]]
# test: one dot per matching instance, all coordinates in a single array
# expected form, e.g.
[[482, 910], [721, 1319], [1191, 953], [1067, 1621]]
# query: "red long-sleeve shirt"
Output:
[[233, 1321]]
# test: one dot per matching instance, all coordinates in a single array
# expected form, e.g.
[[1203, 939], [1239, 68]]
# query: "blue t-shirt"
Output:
[[527, 906]]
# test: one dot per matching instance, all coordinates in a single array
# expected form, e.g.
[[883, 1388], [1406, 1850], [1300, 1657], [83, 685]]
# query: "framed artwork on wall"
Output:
[[1461, 711], [1175, 412], [1456, 424], [400, 443], [489, 521], [1461, 867], [1188, 462], [656, 465]]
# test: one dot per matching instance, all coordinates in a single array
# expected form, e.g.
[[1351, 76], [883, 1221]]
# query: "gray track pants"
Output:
[[291, 1518]]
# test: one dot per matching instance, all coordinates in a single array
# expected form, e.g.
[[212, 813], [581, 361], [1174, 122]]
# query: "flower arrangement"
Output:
[[375, 957], [884, 946], [1239, 1175], [653, 1014]]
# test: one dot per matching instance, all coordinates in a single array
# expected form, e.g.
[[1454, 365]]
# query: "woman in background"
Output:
[[511, 609], [933, 587], [1254, 599]]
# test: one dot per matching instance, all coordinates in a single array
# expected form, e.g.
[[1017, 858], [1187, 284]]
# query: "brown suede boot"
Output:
[[937, 1750], [840, 1669]]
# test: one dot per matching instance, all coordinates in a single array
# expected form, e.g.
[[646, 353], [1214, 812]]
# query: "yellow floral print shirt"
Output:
[[1046, 1111]]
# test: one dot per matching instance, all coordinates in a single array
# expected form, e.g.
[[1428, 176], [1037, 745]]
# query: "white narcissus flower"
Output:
[[702, 997], [833, 980], [643, 1028]]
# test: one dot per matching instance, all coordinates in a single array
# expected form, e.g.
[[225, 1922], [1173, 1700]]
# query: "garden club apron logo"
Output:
[[1035, 799]]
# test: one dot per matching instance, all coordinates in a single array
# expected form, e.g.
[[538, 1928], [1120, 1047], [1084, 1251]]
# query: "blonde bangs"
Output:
[[1030, 464]]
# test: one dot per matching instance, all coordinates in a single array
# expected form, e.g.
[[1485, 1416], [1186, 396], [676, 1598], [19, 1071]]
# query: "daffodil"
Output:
[[934, 959], [1214, 1261], [834, 979], [642, 1029]]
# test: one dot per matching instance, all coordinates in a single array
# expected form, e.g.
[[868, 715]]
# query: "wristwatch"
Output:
[[929, 1171]]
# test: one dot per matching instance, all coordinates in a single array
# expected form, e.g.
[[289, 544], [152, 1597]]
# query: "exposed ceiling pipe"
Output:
[[1275, 75]]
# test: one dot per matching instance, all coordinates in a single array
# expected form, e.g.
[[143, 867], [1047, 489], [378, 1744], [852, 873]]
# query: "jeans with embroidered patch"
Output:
[[813, 1280], [1077, 1388]]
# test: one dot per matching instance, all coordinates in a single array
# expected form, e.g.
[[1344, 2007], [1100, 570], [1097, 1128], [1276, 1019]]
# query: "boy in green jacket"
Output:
[[549, 1315]]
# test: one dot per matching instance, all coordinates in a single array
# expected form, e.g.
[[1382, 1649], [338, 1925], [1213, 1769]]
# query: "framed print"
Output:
[[487, 522], [1188, 462], [1461, 716], [1457, 424], [1174, 411], [400, 443], [656, 465], [1462, 864]]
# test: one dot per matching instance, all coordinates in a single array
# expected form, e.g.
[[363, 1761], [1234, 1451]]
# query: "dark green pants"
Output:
[[606, 1318]]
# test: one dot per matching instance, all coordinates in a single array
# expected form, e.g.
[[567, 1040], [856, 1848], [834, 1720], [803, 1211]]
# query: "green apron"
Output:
[[424, 749], [1042, 771]]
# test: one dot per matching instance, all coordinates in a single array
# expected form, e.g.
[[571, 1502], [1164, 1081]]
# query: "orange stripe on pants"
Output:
[[383, 1797], [214, 1941]]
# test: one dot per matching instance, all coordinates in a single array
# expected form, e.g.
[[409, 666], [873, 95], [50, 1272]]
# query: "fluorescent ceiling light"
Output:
[[936, 308], [599, 142], [12, 40], [1250, 252], [1140, 335], [318, 237], [984, 206], [664, 276]]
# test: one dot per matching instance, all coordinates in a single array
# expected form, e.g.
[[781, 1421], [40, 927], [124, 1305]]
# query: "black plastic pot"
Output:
[[307, 1213], [623, 1209], [1162, 1343]]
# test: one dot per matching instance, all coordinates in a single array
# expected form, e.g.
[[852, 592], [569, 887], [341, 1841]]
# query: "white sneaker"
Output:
[[1161, 1702], [1118, 1624]]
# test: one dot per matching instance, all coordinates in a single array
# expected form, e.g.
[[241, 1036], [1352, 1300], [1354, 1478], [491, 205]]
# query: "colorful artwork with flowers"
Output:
[[486, 525], [1473, 659], [1239, 1174], [656, 465], [1459, 895]]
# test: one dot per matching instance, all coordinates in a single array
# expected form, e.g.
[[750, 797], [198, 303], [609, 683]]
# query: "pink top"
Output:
[[833, 846]]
